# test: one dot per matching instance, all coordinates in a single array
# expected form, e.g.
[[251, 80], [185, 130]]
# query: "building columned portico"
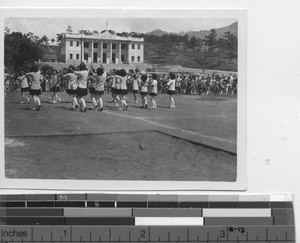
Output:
[[101, 48]]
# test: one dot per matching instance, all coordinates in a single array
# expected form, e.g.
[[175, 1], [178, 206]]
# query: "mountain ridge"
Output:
[[233, 28]]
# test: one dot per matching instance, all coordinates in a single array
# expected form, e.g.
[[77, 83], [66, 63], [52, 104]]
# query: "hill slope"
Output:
[[201, 33]]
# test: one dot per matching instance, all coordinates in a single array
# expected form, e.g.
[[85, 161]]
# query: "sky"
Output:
[[52, 26]]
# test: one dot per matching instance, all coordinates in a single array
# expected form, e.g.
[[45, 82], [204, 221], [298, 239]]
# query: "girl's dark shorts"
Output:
[[144, 93], [153, 94], [113, 90], [135, 91], [123, 91], [81, 92], [25, 89], [171, 92], [99, 92], [92, 90], [71, 91], [35, 92]]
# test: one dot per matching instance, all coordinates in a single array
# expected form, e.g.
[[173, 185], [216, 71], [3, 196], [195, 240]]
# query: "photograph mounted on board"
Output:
[[124, 99]]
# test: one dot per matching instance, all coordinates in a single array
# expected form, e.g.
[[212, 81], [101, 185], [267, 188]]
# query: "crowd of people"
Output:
[[78, 82]]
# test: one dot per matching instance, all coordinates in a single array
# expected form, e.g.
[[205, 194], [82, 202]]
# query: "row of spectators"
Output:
[[186, 84]]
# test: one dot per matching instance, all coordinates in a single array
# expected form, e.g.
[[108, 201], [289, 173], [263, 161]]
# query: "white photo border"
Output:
[[124, 185]]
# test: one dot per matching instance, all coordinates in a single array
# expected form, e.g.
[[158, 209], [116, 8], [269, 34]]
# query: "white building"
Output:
[[101, 48]]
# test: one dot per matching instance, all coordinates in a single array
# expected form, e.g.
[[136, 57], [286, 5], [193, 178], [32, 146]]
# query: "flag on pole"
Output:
[[7, 30]]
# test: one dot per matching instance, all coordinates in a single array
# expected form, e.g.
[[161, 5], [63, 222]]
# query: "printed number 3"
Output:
[[222, 233]]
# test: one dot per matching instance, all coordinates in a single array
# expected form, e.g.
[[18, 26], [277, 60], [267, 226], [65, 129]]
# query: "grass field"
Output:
[[196, 141]]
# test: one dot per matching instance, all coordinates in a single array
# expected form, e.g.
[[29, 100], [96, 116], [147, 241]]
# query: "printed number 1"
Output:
[[65, 233]]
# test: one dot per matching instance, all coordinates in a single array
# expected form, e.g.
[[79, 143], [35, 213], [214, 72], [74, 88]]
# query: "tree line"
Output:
[[227, 42]]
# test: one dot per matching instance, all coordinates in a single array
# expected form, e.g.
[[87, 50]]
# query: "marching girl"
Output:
[[144, 90], [54, 82], [135, 87], [24, 87], [112, 85], [35, 89], [82, 76], [123, 89], [113, 88], [153, 90], [46, 77], [92, 86], [99, 90], [117, 88], [72, 86], [171, 89]]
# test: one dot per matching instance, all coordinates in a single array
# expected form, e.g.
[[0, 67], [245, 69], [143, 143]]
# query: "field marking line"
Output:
[[173, 128], [184, 117]]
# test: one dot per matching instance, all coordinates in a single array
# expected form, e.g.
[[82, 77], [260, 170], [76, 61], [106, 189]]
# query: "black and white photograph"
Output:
[[130, 97]]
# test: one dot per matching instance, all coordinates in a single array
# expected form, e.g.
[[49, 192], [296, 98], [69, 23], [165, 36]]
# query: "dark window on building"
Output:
[[113, 46], [139, 46], [132, 58], [122, 58], [77, 56], [71, 56], [139, 59], [71, 43], [104, 45], [132, 46], [86, 45], [77, 43], [122, 46], [95, 44], [86, 56]]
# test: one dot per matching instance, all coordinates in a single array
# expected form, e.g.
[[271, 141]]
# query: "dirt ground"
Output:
[[196, 141]]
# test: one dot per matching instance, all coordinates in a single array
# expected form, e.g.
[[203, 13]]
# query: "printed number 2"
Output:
[[143, 233], [222, 233]]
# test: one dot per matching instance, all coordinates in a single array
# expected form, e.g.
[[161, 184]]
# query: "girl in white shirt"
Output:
[[99, 89], [171, 89], [35, 89], [153, 90], [54, 82], [123, 88], [24, 87], [92, 86], [114, 87], [135, 87], [82, 76], [72, 86], [144, 90]]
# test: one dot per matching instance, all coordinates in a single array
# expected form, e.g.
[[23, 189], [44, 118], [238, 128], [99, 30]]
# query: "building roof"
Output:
[[103, 36]]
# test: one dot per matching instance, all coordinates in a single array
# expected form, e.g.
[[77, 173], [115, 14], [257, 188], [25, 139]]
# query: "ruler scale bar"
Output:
[[152, 233], [146, 218]]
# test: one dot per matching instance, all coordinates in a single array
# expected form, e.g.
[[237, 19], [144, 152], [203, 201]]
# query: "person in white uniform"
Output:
[[82, 76], [144, 90], [99, 90], [24, 87], [123, 88], [171, 89], [35, 89], [72, 86], [153, 90]]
